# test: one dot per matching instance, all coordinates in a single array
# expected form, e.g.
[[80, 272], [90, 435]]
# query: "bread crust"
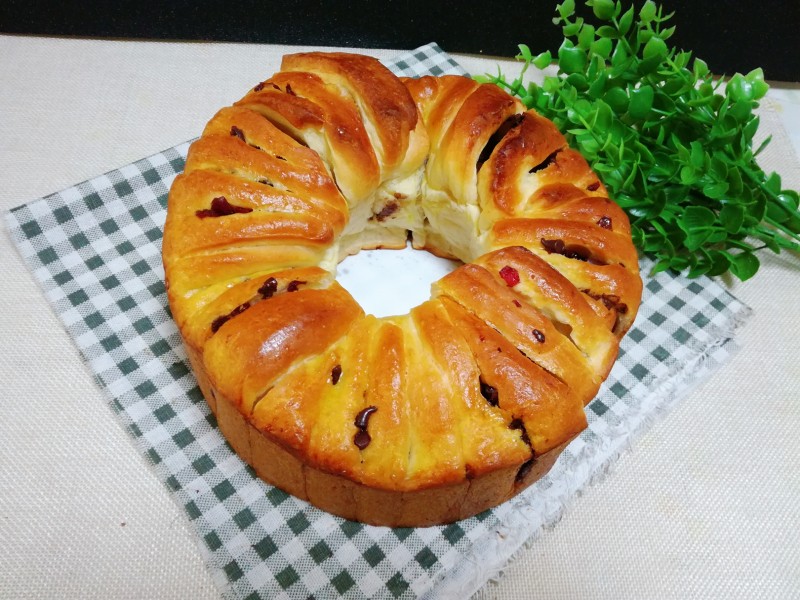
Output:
[[424, 418]]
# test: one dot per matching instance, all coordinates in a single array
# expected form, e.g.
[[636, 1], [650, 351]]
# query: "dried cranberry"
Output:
[[336, 373], [539, 336], [220, 207], [510, 275], [524, 469], [545, 163], [518, 424], [517, 304], [605, 222], [220, 321], [577, 252], [387, 211], [259, 87], [553, 246], [593, 187], [289, 90], [270, 287], [294, 284], [236, 132], [490, 393]]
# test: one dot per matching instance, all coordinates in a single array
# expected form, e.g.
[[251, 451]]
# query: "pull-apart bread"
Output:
[[409, 420]]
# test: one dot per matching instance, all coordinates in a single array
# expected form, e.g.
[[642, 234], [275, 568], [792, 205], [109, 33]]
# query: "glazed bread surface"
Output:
[[422, 418]]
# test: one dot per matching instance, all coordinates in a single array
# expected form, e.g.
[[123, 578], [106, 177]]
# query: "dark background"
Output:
[[729, 35]]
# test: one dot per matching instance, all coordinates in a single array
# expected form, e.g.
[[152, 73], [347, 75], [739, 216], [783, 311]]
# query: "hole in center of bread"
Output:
[[392, 282]]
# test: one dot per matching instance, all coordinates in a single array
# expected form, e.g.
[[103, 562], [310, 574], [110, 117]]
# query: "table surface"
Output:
[[706, 504]]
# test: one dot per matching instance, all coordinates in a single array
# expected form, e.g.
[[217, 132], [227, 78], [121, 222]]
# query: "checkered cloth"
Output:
[[95, 249]]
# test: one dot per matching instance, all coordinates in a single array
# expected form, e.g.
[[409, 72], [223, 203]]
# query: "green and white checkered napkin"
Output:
[[96, 250]]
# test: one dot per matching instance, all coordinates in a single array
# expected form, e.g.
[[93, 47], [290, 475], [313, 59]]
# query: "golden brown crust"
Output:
[[428, 417]]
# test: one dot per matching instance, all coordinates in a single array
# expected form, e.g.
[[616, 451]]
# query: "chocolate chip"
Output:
[[361, 439], [270, 287], [294, 284], [236, 132], [336, 373], [362, 418], [539, 336], [259, 87]]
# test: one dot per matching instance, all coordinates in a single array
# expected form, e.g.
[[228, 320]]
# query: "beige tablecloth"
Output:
[[706, 504]]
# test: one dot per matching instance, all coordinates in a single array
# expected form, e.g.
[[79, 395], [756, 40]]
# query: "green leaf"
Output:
[[655, 49], [540, 61], [617, 99], [602, 48], [715, 189], [699, 68], [744, 265], [571, 59], [696, 217], [586, 36], [732, 217], [604, 10], [641, 102], [648, 11], [566, 9]]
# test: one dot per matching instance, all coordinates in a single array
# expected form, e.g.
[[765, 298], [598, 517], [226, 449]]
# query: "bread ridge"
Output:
[[335, 154]]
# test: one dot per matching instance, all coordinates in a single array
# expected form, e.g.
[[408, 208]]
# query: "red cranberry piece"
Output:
[[236, 132], [259, 87], [294, 284], [336, 373], [593, 187], [605, 222], [517, 304], [220, 207], [510, 275]]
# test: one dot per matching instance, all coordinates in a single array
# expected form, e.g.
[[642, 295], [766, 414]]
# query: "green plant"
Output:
[[673, 146]]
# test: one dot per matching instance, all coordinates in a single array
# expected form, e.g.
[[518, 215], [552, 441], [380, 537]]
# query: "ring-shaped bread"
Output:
[[427, 417]]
